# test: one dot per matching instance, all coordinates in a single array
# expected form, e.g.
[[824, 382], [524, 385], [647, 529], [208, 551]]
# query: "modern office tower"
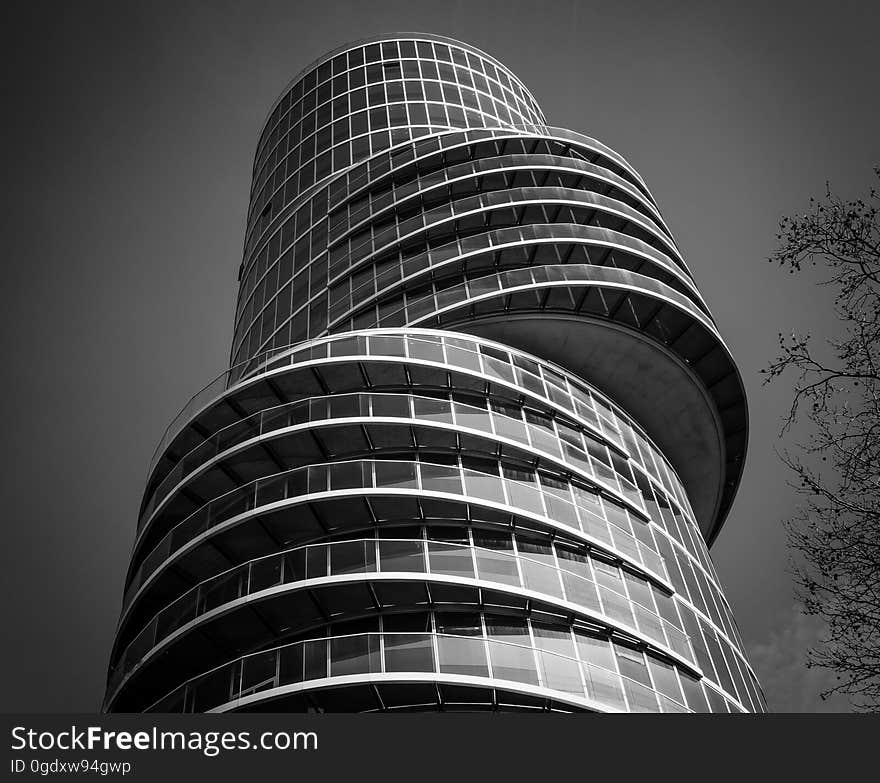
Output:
[[478, 430]]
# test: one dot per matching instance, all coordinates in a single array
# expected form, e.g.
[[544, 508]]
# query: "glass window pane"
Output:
[[346, 475], [498, 369], [665, 680], [562, 511], [510, 662], [265, 573], [508, 427], [495, 560], [459, 624], [485, 486], [258, 672], [355, 655], [387, 345], [604, 687], [460, 655], [497, 567], [580, 591], [475, 418], [295, 565], [594, 650], [315, 659], [431, 409], [553, 638], [693, 692], [212, 690], [462, 357], [716, 700], [392, 405], [426, 348], [649, 624], [541, 578], [396, 474], [450, 559], [525, 496], [561, 674], [441, 478], [316, 561], [401, 556], [408, 652], [632, 664], [640, 697], [616, 606], [352, 557]]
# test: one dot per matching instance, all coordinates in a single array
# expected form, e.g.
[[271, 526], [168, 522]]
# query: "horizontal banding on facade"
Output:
[[429, 161], [425, 493], [478, 659], [385, 359], [510, 506], [662, 637]]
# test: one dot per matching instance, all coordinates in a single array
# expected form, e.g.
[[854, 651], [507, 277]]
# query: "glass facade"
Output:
[[409, 491]]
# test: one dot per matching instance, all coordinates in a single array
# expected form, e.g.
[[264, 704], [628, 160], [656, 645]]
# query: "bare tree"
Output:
[[834, 536]]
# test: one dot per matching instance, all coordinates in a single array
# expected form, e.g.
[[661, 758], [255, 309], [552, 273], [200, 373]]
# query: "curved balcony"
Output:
[[374, 185], [638, 241], [449, 147], [522, 379], [582, 509], [477, 661], [538, 432], [519, 250], [567, 574], [469, 201], [439, 360], [626, 540], [676, 362], [392, 421]]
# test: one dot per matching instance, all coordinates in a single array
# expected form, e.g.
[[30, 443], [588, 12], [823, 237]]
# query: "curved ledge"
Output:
[[716, 439], [312, 356], [398, 678], [572, 574], [255, 237], [558, 461], [563, 405], [564, 234], [308, 585], [426, 657], [649, 566]]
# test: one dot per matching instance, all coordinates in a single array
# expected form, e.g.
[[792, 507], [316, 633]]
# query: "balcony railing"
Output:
[[570, 506], [436, 654], [573, 580]]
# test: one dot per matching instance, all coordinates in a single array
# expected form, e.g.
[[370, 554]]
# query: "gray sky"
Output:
[[132, 128]]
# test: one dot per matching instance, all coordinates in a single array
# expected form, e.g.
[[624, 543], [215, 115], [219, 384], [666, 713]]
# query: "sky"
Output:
[[131, 129]]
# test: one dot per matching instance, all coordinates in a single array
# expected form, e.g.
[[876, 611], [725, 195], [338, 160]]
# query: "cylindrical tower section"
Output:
[[478, 429], [357, 102]]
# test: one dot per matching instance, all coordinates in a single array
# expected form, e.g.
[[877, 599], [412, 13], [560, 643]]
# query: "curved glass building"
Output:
[[478, 430]]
